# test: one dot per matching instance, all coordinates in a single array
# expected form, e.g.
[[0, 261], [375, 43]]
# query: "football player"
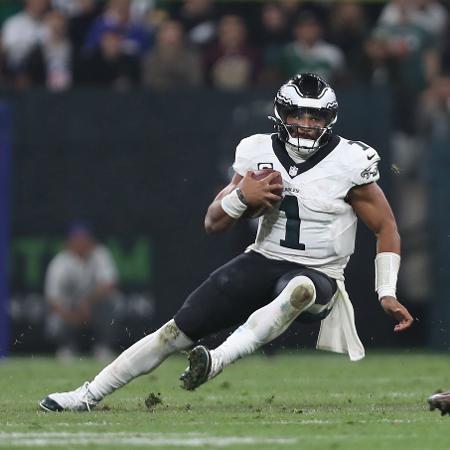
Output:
[[441, 401], [295, 268], [328, 182]]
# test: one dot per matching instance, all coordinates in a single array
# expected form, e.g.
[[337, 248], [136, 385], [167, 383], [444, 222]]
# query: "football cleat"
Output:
[[199, 368], [441, 401], [80, 399]]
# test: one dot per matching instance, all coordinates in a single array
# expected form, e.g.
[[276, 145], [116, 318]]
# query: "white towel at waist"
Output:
[[338, 330]]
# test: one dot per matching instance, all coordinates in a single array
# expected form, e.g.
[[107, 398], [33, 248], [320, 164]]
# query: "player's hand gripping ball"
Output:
[[258, 211]]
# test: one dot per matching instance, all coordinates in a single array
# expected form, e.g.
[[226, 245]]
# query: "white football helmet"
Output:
[[306, 93]]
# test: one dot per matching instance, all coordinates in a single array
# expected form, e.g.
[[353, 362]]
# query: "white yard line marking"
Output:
[[403, 394], [34, 439], [387, 394], [335, 422]]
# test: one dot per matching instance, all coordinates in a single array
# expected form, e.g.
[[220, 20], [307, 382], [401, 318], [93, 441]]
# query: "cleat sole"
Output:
[[199, 367], [49, 405]]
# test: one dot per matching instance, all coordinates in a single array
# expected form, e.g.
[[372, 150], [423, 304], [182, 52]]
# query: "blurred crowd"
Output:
[[163, 44]]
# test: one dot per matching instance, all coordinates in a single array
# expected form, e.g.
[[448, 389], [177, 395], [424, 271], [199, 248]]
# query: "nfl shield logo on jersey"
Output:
[[293, 171]]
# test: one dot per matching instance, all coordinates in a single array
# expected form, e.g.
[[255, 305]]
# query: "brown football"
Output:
[[253, 212]]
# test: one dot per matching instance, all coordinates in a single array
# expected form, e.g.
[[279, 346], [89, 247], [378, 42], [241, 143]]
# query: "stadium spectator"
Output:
[[71, 8], [199, 19], [291, 7], [136, 38], [377, 66], [80, 287], [50, 63], [272, 26], [273, 31], [434, 109], [231, 63], [294, 9], [110, 65], [142, 10], [309, 53], [171, 64], [291, 271], [80, 18], [20, 34], [348, 29], [413, 62], [430, 15]]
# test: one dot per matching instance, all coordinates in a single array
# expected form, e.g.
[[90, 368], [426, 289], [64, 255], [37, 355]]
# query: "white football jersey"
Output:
[[313, 224]]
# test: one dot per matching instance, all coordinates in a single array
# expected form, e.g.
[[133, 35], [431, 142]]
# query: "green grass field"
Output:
[[300, 400]]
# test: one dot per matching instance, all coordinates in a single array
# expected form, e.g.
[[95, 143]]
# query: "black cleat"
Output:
[[79, 399], [199, 367], [441, 401], [47, 404]]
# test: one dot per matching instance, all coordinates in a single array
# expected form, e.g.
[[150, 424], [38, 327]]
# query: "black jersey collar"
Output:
[[289, 164]]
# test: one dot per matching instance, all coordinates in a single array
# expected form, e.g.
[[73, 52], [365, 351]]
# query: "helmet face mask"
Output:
[[305, 96]]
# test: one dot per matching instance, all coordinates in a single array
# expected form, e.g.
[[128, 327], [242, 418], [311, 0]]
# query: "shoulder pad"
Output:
[[362, 160]]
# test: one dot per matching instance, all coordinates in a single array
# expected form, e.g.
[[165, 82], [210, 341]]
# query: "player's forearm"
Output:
[[388, 239], [216, 219]]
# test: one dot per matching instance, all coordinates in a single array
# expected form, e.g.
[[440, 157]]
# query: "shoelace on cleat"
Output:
[[85, 395]]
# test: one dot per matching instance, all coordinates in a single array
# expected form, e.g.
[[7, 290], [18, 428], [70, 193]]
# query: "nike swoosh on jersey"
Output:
[[371, 156]]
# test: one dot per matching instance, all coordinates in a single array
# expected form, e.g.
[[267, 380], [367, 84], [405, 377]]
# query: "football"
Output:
[[252, 212]]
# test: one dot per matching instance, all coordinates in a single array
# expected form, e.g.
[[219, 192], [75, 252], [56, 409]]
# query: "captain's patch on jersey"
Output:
[[265, 165]]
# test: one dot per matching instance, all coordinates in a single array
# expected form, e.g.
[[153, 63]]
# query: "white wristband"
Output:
[[387, 265], [233, 205]]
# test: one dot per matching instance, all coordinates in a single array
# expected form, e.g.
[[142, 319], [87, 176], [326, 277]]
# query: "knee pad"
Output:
[[300, 292]]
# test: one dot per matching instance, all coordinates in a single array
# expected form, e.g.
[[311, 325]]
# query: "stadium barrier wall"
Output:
[[5, 154], [439, 221]]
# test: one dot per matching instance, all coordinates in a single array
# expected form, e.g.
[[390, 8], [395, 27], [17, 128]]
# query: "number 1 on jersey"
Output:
[[292, 237]]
